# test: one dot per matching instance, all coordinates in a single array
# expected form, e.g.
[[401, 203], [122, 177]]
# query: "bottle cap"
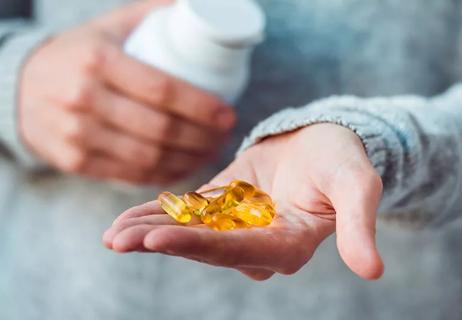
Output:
[[235, 23]]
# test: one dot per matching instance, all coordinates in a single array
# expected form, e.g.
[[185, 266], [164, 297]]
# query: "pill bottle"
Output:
[[208, 43]]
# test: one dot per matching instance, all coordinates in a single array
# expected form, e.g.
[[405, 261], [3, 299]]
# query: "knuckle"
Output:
[[74, 129], [147, 160], [366, 180], [94, 58], [375, 181], [74, 162], [161, 91], [155, 157], [164, 127], [124, 224], [141, 155], [120, 114], [134, 150], [80, 96], [206, 108]]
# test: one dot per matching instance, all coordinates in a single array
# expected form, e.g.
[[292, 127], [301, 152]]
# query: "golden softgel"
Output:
[[235, 206]]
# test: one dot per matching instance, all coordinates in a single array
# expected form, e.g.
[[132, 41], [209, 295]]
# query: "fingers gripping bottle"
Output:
[[208, 43]]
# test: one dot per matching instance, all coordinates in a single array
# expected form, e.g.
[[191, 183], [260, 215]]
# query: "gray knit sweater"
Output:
[[333, 58], [414, 143]]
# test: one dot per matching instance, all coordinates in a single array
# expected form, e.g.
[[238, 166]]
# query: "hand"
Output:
[[87, 108], [321, 180]]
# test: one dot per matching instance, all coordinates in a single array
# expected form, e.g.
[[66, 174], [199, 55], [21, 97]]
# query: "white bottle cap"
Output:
[[233, 23]]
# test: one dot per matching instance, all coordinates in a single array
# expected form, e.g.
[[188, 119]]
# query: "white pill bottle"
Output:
[[208, 43]]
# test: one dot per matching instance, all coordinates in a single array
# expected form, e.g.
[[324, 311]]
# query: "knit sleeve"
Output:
[[17, 41], [414, 143]]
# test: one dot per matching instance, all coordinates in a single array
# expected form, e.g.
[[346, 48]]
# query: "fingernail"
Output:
[[226, 119]]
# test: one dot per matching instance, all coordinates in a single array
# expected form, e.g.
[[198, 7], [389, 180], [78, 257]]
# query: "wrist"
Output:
[[347, 112]]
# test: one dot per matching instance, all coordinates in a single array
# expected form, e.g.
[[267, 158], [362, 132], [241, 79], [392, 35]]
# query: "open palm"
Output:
[[321, 181]]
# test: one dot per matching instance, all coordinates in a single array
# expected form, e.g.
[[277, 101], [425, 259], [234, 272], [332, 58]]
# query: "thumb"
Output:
[[356, 205], [123, 20]]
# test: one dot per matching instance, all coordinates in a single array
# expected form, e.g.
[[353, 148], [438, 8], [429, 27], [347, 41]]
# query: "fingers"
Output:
[[148, 208], [356, 206], [236, 249], [166, 93], [153, 125], [343, 178], [91, 135], [109, 169], [141, 155], [128, 240], [130, 230], [76, 160], [129, 236], [130, 233], [130, 225]]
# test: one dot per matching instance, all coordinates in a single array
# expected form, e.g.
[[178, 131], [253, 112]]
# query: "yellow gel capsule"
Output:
[[260, 196], [264, 205], [195, 202], [214, 193], [249, 189], [237, 205], [231, 198], [222, 222], [212, 209], [255, 215], [240, 224], [175, 207]]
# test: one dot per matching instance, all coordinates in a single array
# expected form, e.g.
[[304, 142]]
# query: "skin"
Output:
[[322, 182], [94, 111]]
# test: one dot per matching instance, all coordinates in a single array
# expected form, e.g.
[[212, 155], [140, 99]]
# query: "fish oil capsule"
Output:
[[237, 205], [240, 224], [227, 200], [195, 202], [231, 198], [214, 192], [260, 196], [249, 189], [268, 207], [222, 222], [252, 214], [175, 207], [212, 209]]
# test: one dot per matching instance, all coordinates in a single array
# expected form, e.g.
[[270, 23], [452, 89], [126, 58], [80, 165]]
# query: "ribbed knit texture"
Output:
[[414, 143], [15, 49]]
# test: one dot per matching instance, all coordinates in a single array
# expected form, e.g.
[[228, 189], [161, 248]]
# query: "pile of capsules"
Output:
[[237, 205]]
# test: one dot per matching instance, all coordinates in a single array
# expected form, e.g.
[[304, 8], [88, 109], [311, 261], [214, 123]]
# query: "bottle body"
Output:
[[169, 42]]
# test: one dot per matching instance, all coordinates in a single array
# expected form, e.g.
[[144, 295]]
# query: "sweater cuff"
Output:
[[359, 115], [13, 53]]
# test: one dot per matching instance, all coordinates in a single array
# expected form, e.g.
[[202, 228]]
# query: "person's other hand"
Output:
[[87, 108], [321, 180]]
